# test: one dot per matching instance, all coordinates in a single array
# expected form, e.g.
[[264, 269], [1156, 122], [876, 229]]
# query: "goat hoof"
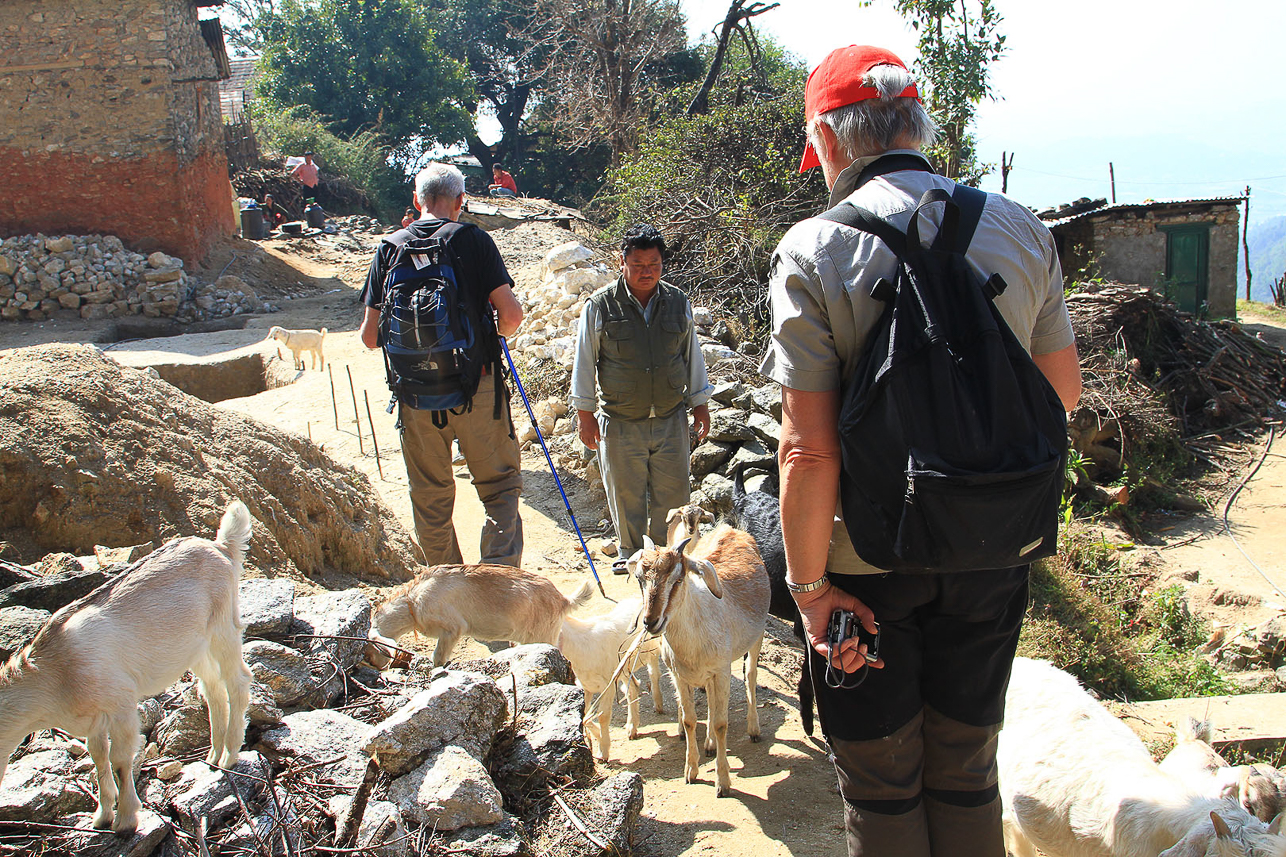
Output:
[[102, 821], [229, 760], [754, 739], [723, 791], [125, 829]]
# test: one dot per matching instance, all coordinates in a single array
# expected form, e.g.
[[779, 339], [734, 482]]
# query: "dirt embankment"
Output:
[[93, 453]]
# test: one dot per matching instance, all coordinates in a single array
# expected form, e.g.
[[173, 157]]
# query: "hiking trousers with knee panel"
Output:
[[915, 743]]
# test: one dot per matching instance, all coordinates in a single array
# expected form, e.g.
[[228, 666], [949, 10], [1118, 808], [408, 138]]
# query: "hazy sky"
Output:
[[1185, 98]]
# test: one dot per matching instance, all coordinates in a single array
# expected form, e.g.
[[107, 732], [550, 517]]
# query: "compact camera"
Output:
[[843, 625]]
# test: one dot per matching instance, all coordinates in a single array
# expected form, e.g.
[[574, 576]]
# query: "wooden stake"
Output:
[[1245, 247], [333, 405], [1111, 174], [374, 442], [357, 421], [310, 431]]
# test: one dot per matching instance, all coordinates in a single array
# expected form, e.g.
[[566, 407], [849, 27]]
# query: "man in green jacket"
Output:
[[638, 370]]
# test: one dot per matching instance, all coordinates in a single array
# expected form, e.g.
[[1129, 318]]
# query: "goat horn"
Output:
[[683, 544]]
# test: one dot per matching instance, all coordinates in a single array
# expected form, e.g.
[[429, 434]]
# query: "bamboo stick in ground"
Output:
[[357, 421], [375, 443]]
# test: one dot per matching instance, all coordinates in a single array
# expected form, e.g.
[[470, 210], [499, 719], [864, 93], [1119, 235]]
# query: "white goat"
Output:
[[709, 609], [300, 341], [1256, 787], [594, 647], [487, 602], [129, 639], [684, 522], [1077, 782]]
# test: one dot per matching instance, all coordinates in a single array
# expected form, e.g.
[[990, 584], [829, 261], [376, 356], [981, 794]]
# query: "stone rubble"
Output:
[[450, 750], [96, 276]]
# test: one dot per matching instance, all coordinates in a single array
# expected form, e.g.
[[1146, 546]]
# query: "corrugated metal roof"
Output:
[[1138, 206]]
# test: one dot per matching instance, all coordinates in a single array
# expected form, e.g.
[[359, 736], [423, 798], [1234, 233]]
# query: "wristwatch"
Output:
[[808, 587]]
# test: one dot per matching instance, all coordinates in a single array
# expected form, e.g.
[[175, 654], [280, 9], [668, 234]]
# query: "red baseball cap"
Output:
[[838, 82]]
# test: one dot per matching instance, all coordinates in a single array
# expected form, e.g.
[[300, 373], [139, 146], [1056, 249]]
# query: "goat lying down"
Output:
[[709, 609], [594, 646], [486, 602], [129, 639], [1077, 782], [1256, 787]]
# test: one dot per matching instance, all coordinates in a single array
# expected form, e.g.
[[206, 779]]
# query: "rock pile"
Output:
[[569, 275], [95, 276], [438, 757]]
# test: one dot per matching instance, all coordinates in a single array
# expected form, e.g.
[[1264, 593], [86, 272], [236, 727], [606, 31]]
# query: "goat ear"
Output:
[[1275, 826], [706, 516], [648, 544], [708, 574], [1221, 826], [669, 519]]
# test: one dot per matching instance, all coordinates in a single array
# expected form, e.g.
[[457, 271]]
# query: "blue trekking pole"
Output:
[[532, 416]]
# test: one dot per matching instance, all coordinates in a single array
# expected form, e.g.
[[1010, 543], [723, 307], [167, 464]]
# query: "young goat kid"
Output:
[[709, 609], [594, 647], [300, 341], [1256, 787], [487, 602], [1077, 782], [129, 639]]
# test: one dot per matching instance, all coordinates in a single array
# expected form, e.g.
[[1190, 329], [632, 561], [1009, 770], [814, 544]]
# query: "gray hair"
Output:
[[875, 125], [438, 180]]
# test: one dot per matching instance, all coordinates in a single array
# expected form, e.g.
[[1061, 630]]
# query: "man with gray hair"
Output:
[[914, 741], [485, 434]]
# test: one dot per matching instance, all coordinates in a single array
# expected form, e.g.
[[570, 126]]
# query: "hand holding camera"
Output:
[[843, 626]]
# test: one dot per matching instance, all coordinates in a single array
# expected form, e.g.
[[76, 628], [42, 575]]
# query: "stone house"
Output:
[[1186, 247], [110, 122]]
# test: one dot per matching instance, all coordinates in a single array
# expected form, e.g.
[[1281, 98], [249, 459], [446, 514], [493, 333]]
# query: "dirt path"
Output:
[[784, 798]]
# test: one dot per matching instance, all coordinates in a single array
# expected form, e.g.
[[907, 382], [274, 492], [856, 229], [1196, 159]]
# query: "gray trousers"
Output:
[[645, 474], [490, 450]]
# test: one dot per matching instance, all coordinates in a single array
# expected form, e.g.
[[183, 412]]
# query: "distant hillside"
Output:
[[1267, 241]]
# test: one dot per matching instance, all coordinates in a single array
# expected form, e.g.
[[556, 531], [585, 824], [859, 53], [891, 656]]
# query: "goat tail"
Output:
[[323, 333], [1192, 729], [234, 532], [582, 595]]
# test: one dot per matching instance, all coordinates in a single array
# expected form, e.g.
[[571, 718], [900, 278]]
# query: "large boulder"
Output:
[[52, 590], [335, 626], [331, 740], [282, 670], [457, 708], [18, 626], [450, 790], [549, 744], [267, 606], [40, 786]]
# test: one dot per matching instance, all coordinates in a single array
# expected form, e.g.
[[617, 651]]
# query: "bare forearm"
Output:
[[810, 467]]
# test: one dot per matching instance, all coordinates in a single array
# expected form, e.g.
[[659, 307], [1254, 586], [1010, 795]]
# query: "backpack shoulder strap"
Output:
[[854, 217], [971, 202]]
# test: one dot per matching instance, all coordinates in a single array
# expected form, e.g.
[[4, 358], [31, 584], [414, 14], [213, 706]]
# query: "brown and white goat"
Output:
[[709, 609], [1077, 782], [1256, 787], [129, 639], [684, 523], [486, 602]]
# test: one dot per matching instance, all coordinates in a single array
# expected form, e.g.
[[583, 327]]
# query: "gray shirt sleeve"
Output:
[[585, 362]]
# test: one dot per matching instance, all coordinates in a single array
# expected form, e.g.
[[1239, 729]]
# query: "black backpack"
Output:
[[436, 341], [953, 442]]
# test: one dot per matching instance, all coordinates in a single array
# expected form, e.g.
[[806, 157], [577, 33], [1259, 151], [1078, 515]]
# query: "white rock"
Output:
[[564, 256], [449, 791]]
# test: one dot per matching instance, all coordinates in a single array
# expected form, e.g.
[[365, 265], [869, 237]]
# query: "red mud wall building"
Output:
[[110, 123]]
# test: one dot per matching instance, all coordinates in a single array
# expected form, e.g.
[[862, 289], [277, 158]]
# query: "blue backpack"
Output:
[[436, 342]]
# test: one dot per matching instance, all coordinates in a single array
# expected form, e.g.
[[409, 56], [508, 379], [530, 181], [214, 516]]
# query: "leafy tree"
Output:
[[505, 68], [959, 39], [723, 185], [364, 65]]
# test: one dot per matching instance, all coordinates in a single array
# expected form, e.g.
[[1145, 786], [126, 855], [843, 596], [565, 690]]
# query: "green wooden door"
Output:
[[1187, 266]]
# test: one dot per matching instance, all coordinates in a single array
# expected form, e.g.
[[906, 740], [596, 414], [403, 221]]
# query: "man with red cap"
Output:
[[914, 743]]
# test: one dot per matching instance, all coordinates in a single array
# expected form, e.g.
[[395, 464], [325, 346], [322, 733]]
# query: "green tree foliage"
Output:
[[505, 68], [364, 65], [959, 39], [363, 159], [724, 186]]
